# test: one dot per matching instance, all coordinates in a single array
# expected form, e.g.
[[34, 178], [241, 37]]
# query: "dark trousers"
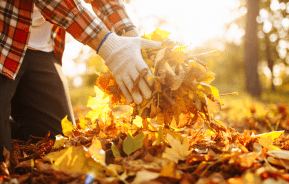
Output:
[[37, 100]]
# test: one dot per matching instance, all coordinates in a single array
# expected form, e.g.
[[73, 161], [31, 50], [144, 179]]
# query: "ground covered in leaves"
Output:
[[186, 133]]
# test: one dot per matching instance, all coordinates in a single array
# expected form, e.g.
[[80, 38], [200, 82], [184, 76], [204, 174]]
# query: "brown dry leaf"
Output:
[[280, 154], [213, 178], [250, 177], [178, 54], [280, 162], [235, 181], [245, 160], [4, 165], [160, 55]]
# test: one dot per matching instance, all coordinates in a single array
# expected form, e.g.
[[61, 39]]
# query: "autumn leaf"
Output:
[[132, 144], [178, 150], [99, 104], [170, 171], [115, 151], [96, 150], [67, 126], [160, 136], [82, 123], [157, 35], [59, 141], [74, 158], [267, 139], [145, 176], [178, 54]]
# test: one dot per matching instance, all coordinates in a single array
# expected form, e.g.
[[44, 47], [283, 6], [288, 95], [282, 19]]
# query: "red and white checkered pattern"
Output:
[[66, 15]]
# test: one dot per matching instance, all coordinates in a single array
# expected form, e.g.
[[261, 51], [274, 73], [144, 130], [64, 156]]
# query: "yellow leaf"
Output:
[[157, 35], [178, 54], [67, 126], [178, 150], [97, 63], [82, 123], [59, 141], [160, 136], [99, 104], [74, 158], [144, 53], [138, 121], [267, 139], [170, 171], [209, 133], [96, 151]]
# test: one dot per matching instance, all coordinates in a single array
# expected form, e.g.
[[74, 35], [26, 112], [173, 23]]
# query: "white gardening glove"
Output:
[[122, 56]]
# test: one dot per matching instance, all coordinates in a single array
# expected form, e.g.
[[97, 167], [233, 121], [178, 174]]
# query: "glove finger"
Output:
[[143, 85], [149, 44], [145, 89], [137, 97], [149, 80], [140, 67], [124, 91]]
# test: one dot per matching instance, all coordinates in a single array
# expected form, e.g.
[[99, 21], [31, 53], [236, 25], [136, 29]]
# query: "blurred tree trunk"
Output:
[[270, 60], [253, 84]]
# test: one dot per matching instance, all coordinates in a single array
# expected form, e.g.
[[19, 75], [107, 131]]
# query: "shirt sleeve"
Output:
[[113, 15], [72, 16]]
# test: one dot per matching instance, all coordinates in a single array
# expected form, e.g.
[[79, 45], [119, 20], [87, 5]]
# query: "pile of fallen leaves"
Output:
[[162, 140], [181, 93]]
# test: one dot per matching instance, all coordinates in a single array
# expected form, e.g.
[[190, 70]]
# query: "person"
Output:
[[33, 89]]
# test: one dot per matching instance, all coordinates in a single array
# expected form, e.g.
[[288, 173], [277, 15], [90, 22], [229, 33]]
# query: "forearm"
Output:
[[113, 14], [94, 42]]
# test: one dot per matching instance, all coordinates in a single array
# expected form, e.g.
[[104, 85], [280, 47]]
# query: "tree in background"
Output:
[[274, 37], [251, 46]]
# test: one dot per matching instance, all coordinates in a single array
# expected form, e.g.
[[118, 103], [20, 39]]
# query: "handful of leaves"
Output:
[[181, 93]]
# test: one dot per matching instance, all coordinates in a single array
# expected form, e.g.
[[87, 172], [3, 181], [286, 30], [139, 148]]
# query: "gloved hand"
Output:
[[122, 56]]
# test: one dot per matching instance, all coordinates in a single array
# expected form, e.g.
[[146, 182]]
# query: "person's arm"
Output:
[[113, 14], [73, 17], [122, 55]]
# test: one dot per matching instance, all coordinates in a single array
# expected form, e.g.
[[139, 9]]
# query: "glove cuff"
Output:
[[112, 42]]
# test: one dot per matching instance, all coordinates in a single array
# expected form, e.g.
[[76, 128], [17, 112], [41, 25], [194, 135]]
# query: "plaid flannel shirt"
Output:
[[65, 15]]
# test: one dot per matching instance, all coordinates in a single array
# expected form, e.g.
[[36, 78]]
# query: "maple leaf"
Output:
[[99, 104], [178, 150]]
